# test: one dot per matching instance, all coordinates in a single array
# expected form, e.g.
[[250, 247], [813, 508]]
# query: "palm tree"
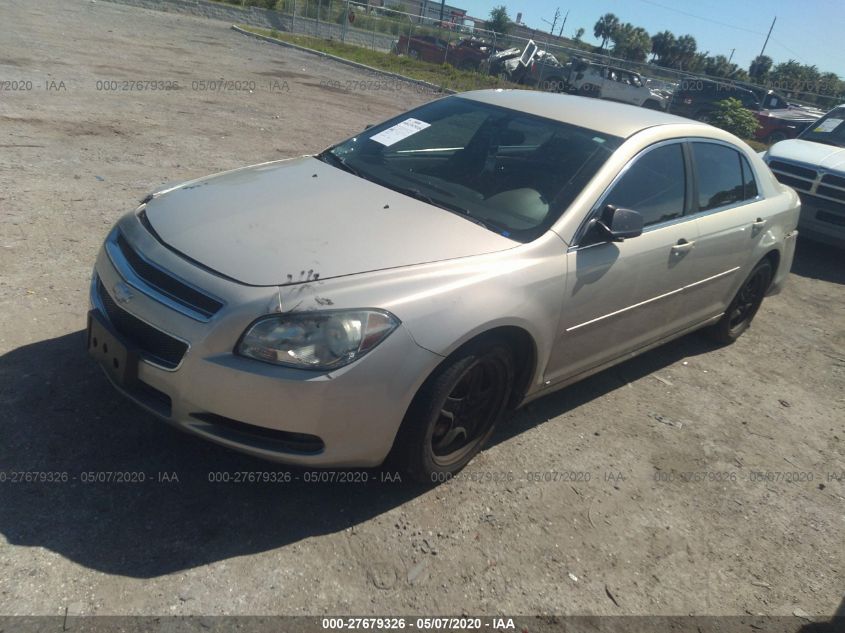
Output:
[[684, 53], [605, 28], [631, 42], [760, 67], [661, 46]]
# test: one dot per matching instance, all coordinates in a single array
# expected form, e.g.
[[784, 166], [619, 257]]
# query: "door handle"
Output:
[[759, 223], [683, 246]]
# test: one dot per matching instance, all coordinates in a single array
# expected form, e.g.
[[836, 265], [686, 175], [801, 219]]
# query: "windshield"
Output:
[[512, 172], [830, 129]]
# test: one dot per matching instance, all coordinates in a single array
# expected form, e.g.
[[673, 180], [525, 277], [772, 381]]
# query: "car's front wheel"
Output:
[[741, 311], [455, 412]]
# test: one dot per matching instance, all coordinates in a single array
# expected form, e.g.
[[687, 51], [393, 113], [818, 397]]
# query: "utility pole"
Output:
[[767, 37], [554, 22], [560, 34], [733, 50], [442, 7]]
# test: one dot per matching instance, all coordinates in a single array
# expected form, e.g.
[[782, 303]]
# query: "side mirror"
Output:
[[617, 224]]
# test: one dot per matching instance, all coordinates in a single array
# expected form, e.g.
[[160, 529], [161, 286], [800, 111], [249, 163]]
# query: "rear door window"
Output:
[[719, 172]]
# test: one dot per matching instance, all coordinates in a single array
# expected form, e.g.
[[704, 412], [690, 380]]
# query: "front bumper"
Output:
[[348, 417], [822, 220]]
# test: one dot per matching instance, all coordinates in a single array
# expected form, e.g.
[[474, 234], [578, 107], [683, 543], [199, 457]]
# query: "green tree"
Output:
[[661, 45], [684, 53], [631, 42], [793, 77], [579, 34], [719, 66], [732, 117], [499, 21], [605, 27], [760, 67]]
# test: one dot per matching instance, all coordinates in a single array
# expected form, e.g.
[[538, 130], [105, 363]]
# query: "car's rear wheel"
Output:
[[652, 104], [741, 311], [455, 412], [704, 117], [413, 53], [776, 137]]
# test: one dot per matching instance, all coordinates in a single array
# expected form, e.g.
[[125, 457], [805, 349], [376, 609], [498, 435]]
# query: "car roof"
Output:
[[607, 117]]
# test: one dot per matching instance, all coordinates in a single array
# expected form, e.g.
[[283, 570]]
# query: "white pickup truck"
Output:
[[814, 165]]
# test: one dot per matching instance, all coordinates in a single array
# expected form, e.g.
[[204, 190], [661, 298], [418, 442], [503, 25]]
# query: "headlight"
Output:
[[316, 340]]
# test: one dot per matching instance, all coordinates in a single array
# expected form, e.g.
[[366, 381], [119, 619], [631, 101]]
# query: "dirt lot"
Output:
[[629, 533]]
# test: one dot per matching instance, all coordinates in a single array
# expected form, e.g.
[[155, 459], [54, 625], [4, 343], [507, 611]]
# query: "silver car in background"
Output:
[[398, 293]]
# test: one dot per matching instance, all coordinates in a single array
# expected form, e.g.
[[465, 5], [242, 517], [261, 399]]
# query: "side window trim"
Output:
[[744, 164], [596, 210]]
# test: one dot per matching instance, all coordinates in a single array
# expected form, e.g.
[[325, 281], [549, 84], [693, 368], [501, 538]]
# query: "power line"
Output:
[[701, 17]]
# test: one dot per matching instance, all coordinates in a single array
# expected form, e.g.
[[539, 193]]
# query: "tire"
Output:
[[413, 53], [776, 137], [651, 104], [443, 429], [469, 65], [703, 117], [741, 311]]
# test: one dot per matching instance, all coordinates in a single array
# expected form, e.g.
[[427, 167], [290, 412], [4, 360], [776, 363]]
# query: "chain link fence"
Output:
[[390, 30]]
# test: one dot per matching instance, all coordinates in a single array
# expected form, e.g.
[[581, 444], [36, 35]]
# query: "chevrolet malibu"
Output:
[[397, 294]]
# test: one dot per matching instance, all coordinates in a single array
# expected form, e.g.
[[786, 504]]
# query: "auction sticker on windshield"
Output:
[[829, 125], [400, 131]]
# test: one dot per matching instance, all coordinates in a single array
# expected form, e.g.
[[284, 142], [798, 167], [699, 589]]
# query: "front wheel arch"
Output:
[[524, 349]]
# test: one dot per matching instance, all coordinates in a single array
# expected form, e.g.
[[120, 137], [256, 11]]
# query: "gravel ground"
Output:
[[628, 533]]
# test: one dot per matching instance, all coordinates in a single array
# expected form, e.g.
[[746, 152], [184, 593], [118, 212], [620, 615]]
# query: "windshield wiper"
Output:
[[333, 159], [419, 195]]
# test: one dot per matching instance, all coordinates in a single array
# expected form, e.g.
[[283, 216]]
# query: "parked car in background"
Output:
[[779, 119], [779, 125], [529, 66], [454, 262], [467, 53], [814, 165], [427, 48], [773, 100], [610, 82], [697, 98]]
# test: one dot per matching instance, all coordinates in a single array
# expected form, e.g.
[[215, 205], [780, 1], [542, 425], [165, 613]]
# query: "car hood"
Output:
[[789, 115], [816, 154], [301, 219]]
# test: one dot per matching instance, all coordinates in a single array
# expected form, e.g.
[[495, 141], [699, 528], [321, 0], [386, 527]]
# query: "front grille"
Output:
[[832, 186], [166, 284], [824, 216], [154, 344], [835, 181], [800, 178]]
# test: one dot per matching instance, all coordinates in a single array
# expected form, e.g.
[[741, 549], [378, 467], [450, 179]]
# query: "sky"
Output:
[[809, 31]]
